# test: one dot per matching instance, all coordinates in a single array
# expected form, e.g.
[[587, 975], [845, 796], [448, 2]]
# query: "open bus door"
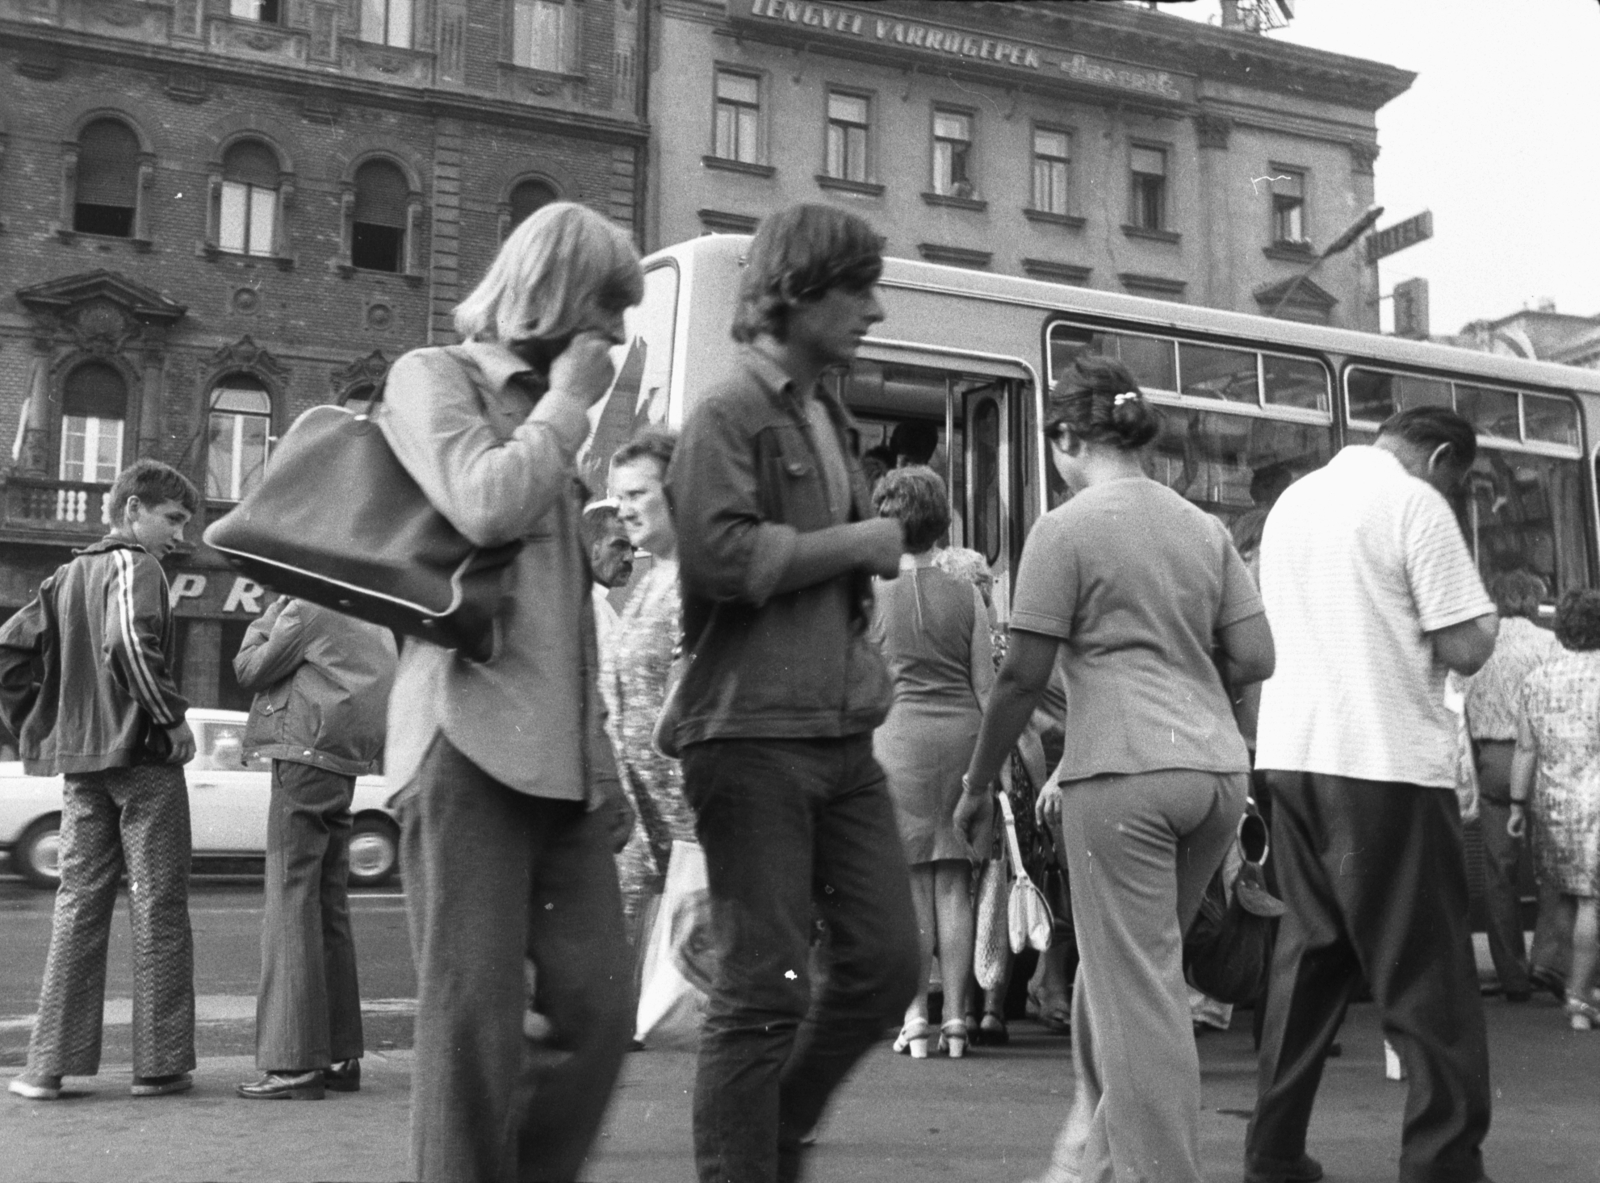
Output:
[[973, 402]]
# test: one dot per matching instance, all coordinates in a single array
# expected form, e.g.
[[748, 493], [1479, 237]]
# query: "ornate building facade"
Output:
[[1105, 145], [217, 213]]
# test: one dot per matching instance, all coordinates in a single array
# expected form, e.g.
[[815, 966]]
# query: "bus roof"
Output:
[[1163, 314]]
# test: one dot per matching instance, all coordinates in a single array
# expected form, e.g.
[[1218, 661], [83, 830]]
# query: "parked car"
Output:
[[228, 798]]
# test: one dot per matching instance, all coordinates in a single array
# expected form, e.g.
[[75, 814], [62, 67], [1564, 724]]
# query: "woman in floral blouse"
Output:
[[1558, 759], [634, 674]]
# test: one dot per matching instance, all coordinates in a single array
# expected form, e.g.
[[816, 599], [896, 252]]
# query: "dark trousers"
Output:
[[495, 877], [1375, 879], [134, 819], [789, 826], [1502, 854], [308, 1010]]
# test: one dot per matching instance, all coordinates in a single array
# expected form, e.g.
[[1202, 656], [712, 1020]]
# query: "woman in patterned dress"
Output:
[[634, 675], [1558, 758]]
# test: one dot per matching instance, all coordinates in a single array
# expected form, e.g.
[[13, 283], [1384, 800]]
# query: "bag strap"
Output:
[[1013, 847]]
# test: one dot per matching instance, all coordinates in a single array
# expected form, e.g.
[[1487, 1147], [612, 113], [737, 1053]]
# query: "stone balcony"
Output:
[[54, 511]]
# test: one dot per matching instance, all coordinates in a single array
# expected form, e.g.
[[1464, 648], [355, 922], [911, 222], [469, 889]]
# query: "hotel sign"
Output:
[[934, 42]]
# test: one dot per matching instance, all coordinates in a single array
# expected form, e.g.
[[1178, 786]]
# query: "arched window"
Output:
[[94, 405], [237, 437], [249, 213], [527, 196], [107, 192], [378, 227]]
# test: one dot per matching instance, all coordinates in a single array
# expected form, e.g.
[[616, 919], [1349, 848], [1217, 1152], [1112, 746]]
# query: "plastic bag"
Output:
[[678, 959]]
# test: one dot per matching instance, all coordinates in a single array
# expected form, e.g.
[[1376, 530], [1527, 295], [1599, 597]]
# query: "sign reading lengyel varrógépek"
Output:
[[924, 40]]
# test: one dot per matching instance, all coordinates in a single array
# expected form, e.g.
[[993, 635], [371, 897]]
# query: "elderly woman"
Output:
[[1493, 698], [1557, 765], [635, 675], [508, 798], [1135, 588], [933, 628]]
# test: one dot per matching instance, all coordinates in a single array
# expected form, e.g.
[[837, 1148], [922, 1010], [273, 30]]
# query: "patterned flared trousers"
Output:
[[123, 818]]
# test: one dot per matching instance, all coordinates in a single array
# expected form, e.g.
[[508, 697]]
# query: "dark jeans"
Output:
[[495, 877], [789, 826], [308, 1010], [1501, 855], [1375, 878]]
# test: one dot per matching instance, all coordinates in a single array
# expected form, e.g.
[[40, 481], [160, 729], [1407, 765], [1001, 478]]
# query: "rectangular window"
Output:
[[248, 212], [1149, 189], [1051, 156], [848, 121], [1288, 206], [387, 22], [91, 448], [952, 154], [266, 11], [738, 117], [538, 37], [1227, 374], [236, 455]]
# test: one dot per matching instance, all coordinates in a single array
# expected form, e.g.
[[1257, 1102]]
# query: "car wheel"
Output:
[[37, 855], [374, 851]]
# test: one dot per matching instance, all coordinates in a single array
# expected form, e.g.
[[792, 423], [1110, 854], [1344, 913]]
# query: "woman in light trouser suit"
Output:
[[1133, 587]]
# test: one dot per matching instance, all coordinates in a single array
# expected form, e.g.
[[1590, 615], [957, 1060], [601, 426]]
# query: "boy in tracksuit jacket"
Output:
[[86, 686]]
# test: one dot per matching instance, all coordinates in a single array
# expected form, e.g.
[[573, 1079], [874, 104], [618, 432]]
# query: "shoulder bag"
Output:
[[338, 521]]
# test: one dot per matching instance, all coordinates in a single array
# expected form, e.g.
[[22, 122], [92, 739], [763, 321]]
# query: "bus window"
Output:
[[1549, 420], [1491, 412], [1209, 372], [1295, 382], [986, 506], [1376, 394], [1525, 512], [1231, 464]]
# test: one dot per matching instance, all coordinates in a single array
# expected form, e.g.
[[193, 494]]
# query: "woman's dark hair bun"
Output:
[[1136, 422], [1098, 400]]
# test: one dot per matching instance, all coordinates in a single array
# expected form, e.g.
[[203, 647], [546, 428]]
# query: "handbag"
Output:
[[992, 934], [678, 955], [338, 521], [1227, 951], [1027, 914]]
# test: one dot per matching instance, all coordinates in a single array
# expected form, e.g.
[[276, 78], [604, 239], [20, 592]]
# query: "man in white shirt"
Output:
[[1372, 597]]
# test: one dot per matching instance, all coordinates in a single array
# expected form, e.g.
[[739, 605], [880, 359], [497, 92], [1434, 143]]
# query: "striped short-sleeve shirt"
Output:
[[1359, 562]]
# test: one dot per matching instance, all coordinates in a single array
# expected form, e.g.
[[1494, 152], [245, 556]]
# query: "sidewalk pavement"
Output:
[[991, 1117]]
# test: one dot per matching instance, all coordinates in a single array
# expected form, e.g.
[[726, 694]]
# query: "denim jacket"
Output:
[[745, 481]]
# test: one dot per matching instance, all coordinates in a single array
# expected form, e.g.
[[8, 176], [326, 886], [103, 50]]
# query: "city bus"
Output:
[[1250, 403]]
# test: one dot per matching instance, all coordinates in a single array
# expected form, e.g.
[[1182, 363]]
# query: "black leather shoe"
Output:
[[343, 1077], [1304, 1169], [284, 1086]]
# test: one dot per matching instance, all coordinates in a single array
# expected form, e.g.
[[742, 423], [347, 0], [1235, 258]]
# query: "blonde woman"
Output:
[[509, 802]]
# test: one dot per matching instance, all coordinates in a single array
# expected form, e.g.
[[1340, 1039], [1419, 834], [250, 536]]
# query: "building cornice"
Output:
[[318, 87], [1230, 55]]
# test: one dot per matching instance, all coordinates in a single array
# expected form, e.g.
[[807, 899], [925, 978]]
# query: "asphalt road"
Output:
[[226, 916]]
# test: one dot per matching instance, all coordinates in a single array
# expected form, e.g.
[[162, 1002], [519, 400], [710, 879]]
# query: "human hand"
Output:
[[1517, 823], [583, 370], [971, 807], [1047, 809], [883, 541], [182, 743]]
